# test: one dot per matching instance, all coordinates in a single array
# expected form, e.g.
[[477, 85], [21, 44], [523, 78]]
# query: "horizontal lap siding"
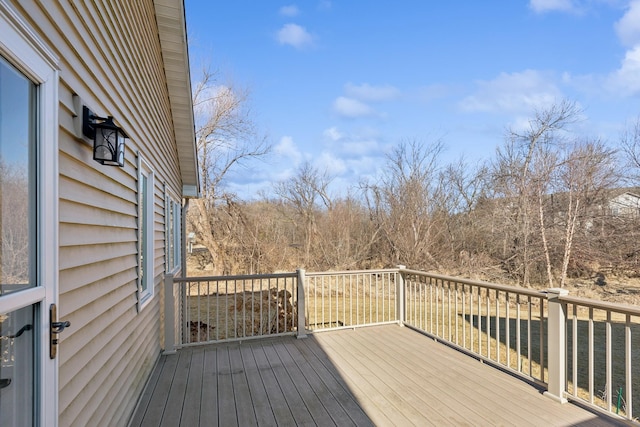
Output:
[[109, 55]]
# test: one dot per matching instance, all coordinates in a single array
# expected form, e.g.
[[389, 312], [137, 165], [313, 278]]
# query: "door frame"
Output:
[[22, 47]]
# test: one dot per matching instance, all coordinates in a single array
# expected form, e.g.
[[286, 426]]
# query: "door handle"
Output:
[[55, 328]]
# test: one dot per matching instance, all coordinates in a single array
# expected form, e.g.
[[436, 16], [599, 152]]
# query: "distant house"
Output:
[[82, 241], [624, 204]]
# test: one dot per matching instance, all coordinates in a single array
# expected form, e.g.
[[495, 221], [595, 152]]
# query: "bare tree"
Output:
[[226, 133], [588, 170], [630, 143], [226, 136], [521, 178], [407, 204], [305, 192]]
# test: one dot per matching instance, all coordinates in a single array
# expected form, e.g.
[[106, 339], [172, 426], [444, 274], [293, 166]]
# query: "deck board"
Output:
[[246, 413], [227, 403], [154, 411], [209, 393], [286, 386], [175, 405], [338, 389], [193, 392], [261, 406], [330, 402], [382, 375], [279, 405]]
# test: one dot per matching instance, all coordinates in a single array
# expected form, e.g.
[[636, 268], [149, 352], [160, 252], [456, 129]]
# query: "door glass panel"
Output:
[[16, 367], [18, 191], [17, 134]]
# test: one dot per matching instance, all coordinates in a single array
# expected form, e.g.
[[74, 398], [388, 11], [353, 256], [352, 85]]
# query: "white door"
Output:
[[28, 225]]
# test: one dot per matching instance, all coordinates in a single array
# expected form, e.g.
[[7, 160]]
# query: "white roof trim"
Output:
[[172, 30]]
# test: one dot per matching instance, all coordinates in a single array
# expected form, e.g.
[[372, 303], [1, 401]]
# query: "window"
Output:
[[173, 228], [145, 233]]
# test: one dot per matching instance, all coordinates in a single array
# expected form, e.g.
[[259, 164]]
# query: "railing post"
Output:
[[302, 326], [400, 300], [556, 345], [169, 316]]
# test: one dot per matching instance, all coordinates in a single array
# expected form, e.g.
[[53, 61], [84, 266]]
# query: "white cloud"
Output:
[[360, 148], [294, 35], [367, 92], [541, 6], [333, 134], [362, 143], [628, 27], [515, 92], [349, 107], [333, 165], [291, 10], [626, 80], [288, 149]]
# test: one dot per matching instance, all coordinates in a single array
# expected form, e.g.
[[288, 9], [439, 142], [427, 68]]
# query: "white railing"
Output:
[[228, 308], [534, 334], [496, 323], [347, 299], [576, 348], [602, 354]]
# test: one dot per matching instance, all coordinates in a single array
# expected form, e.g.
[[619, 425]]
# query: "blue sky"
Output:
[[338, 83]]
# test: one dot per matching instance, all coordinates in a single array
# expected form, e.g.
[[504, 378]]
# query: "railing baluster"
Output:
[[377, 305], [479, 320], [574, 350], [507, 326], [322, 298], [471, 327], [432, 308], [488, 311], [443, 302], [351, 300], [344, 298], [357, 302], [608, 362], [456, 310], [497, 322], [437, 303], [301, 325], [518, 335], [529, 335], [591, 362], [464, 313], [208, 311], [627, 367], [449, 309], [542, 360]]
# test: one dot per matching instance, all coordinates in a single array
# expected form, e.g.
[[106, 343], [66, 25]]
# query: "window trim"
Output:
[[173, 231], [146, 282], [26, 51]]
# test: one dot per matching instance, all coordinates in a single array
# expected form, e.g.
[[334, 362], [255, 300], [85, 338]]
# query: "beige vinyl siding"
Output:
[[109, 55]]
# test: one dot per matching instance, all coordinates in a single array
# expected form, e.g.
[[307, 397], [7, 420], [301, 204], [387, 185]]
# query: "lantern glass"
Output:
[[108, 143]]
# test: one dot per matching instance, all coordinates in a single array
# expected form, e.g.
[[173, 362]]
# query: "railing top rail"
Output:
[[495, 286], [236, 277], [601, 305], [345, 272]]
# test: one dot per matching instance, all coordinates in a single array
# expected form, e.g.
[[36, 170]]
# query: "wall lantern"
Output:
[[108, 139]]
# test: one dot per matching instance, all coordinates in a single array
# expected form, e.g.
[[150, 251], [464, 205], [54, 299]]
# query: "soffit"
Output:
[[173, 42]]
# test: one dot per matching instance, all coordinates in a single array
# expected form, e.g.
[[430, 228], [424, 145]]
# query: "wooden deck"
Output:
[[383, 375]]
